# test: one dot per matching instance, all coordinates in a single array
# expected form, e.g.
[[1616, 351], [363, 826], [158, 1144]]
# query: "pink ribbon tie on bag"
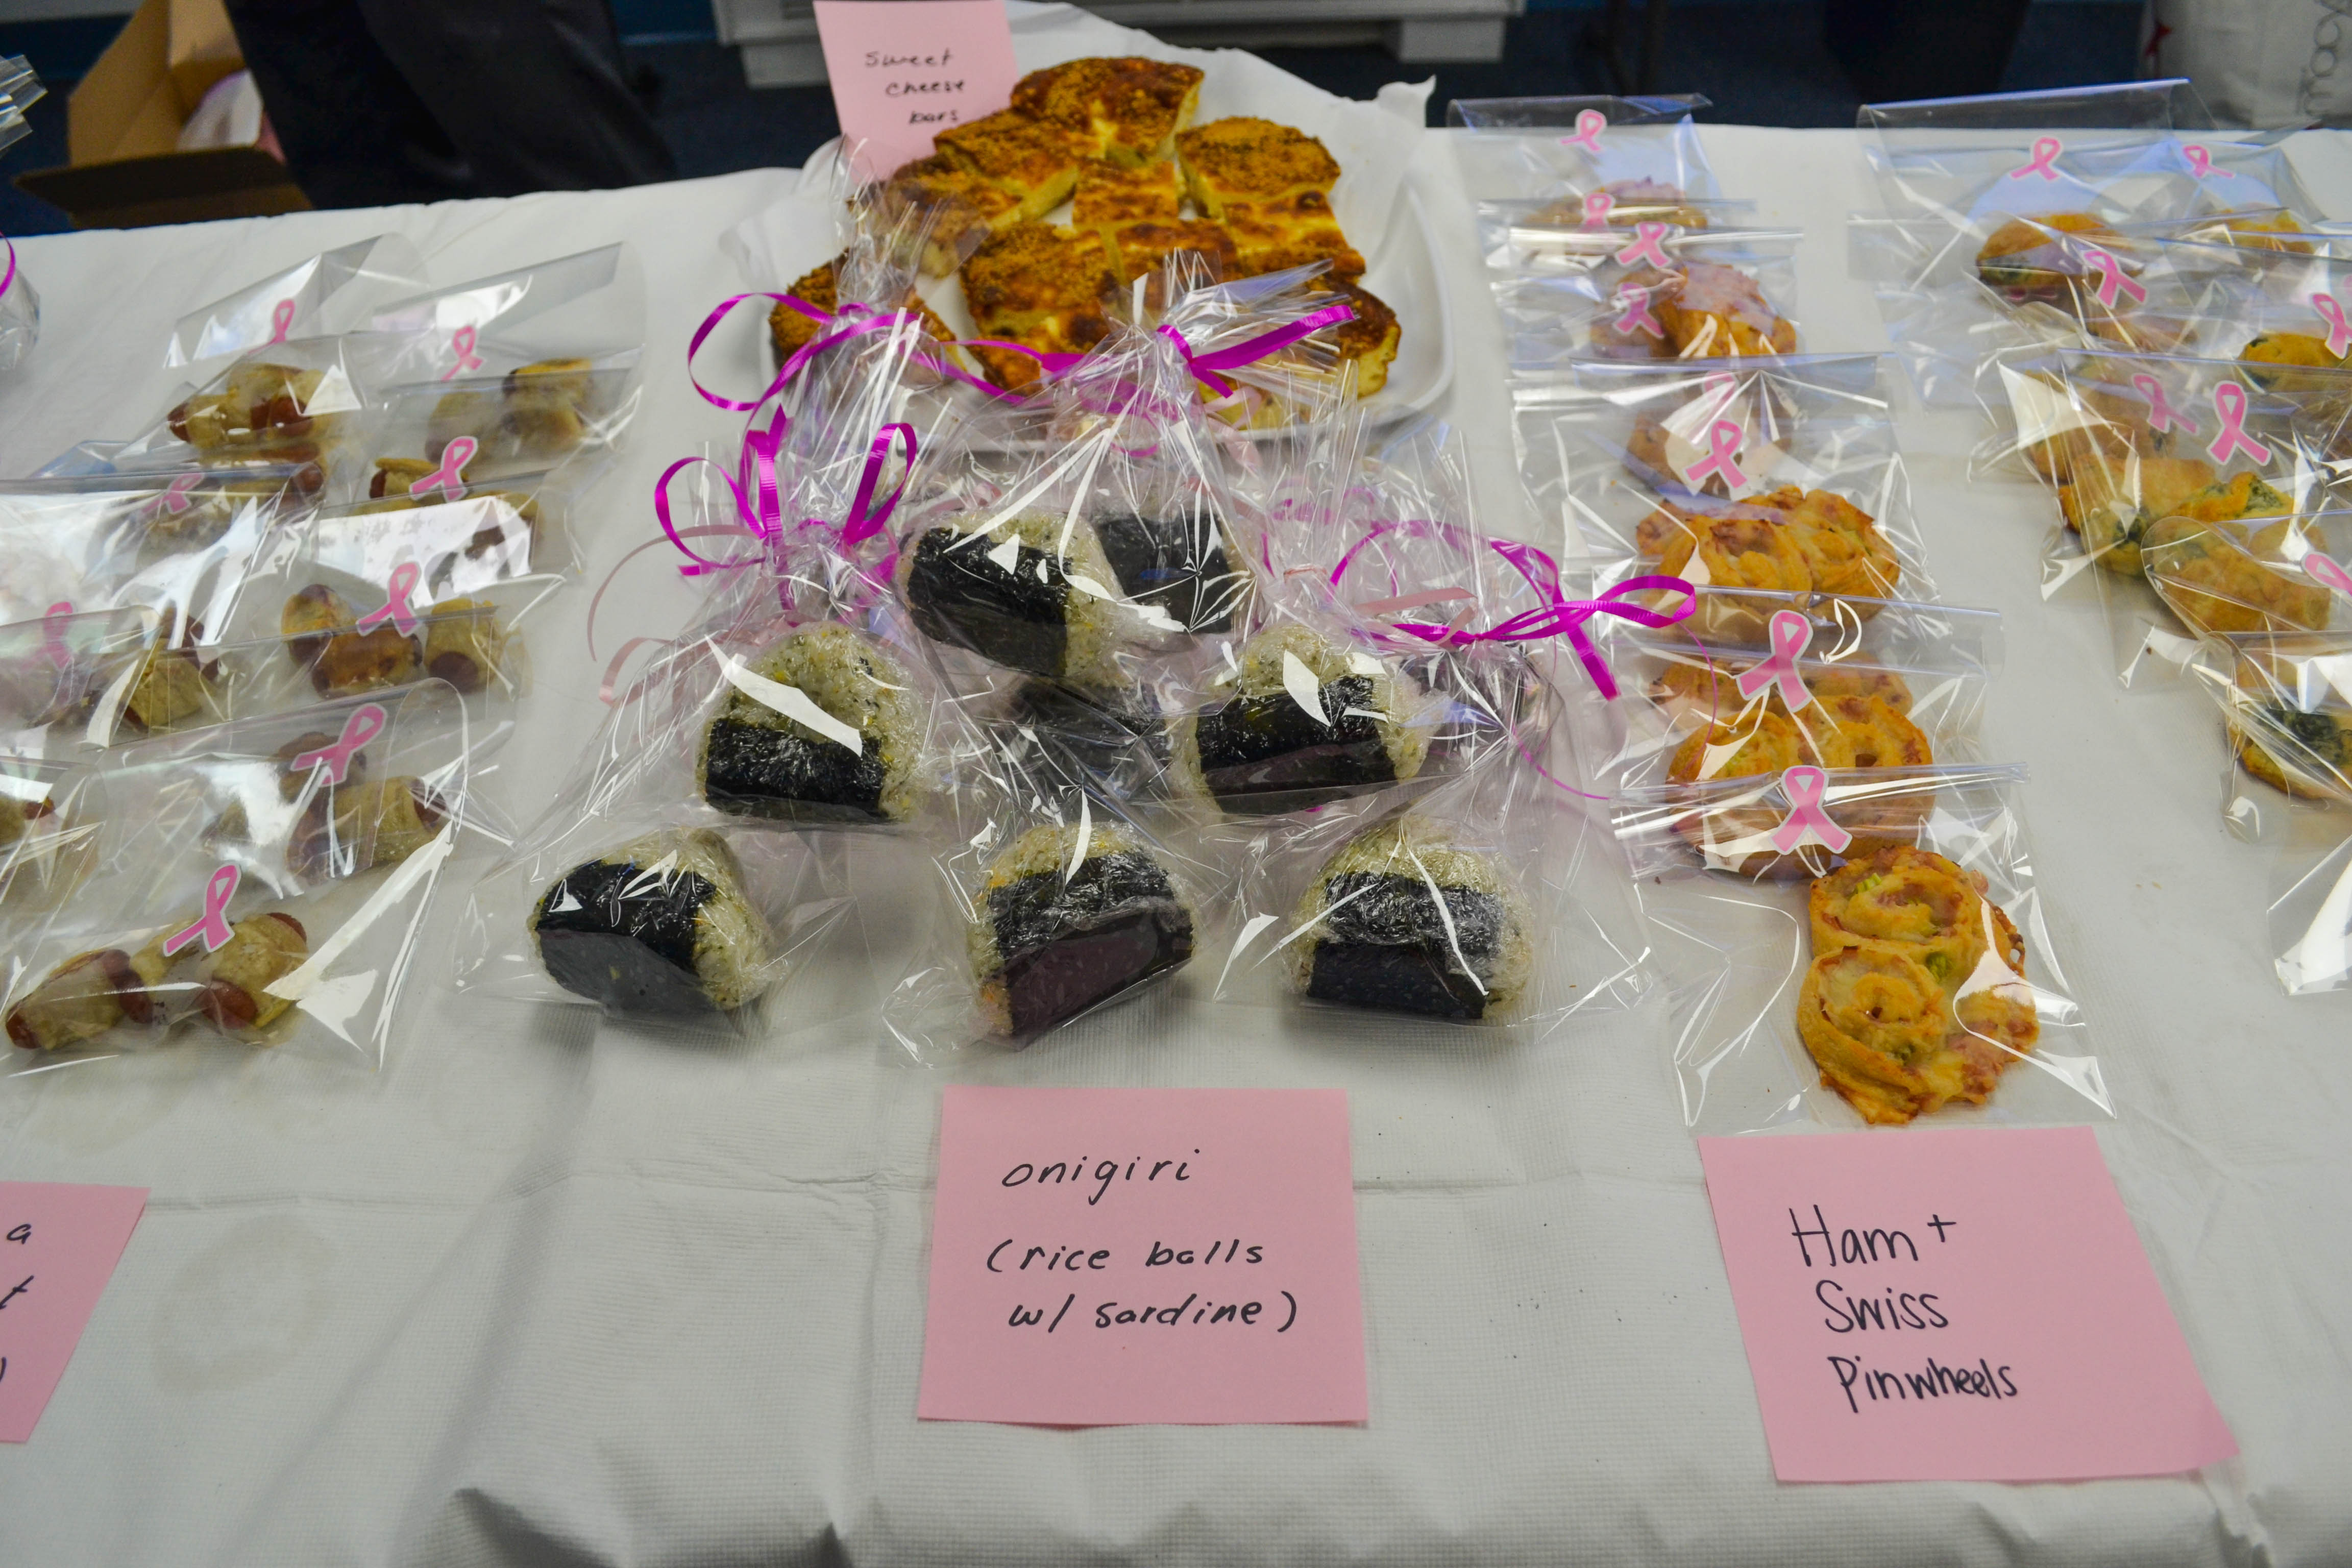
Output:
[[2114, 280], [53, 637], [1209, 368], [365, 724], [2161, 416], [1723, 439], [1590, 124], [2339, 330], [1645, 246], [2327, 569], [1636, 318], [281, 318], [1806, 788], [1597, 205], [461, 345], [213, 929], [2201, 162], [449, 478], [1563, 616], [1791, 634], [2045, 159], [395, 609], [2230, 401]]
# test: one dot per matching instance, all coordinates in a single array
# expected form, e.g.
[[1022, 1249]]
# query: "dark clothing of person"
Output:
[[379, 101]]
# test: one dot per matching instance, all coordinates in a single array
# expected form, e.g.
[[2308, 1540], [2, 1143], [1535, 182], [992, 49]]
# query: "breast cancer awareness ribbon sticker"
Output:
[[461, 345], [1645, 246], [213, 929], [2339, 330], [1723, 439], [2201, 162], [2044, 162], [365, 724], [1597, 205], [1636, 299], [449, 478], [1590, 124], [1790, 633], [53, 636], [174, 498], [2327, 569], [2113, 281], [1806, 787], [2230, 403], [2161, 416], [281, 319], [396, 609]]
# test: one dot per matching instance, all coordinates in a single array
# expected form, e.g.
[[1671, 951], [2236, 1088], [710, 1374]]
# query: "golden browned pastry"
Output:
[[1708, 690], [958, 208], [360, 824], [1842, 546], [2111, 504], [1713, 312], [259, 408], [1734, 546], [84, 997], [2024, 256], [1110, 195], [1251, 161], [2273, 357], [1047, 287], [464, 644], [2285, 721], [1294, 229], [91, 992], [1130, 108], [1630, 201], [1758, 741], [1036, 161], [791, 330], [2226, 577], [232, 986], [1140, 248], [1915, 996]]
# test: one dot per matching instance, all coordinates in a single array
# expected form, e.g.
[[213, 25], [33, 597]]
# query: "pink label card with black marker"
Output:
[[904, 71], [1966, 1305], [1111, 1256], [59, 1246]]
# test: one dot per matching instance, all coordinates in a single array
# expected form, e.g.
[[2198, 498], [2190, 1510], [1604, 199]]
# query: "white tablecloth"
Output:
[[544, 1291]]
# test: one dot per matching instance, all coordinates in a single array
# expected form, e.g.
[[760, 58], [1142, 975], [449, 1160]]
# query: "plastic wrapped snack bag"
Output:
[[321, 296], [1857, 948], [263, 883], [1641, 155], [1663, 294], [51, 812]]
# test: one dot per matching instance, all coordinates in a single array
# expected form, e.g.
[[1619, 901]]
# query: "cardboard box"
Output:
[[123, 131]]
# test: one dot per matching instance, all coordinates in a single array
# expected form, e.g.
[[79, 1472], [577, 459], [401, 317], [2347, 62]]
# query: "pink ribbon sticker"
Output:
[[1806, 787], [1597, 205], [2339, 330], [449, 478], [213, 928], [1636, 318], [365, 724], [53, 637], [1590, 124], [461, 345], [1790, 634], [2113, 280], [1645, 246], [281, 317], [174, 498], [2201, 162], [1723, 439], [2230, 403], [2327, 569], [397, 608], [2045, 158], [2161, 416]]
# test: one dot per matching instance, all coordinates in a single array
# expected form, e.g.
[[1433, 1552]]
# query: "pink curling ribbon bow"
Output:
[[281, 317], [860, 319], [1564, 616], [2113, 280], [2230, 403], [365, 724], [396, 609], [1722, 456], [1637, 317], [53, 637], [174, 498], [1590, 124], [866, 515], [1597, 205], [1806, 786], [2045, 159], [1208, 368], [449, 478], [213, 928], [755, 477], [2327, 569], [2339, 330], [2161, 416], [1791, 634], [1646, 248], [2201, 162], [461, 344], [9, 282]]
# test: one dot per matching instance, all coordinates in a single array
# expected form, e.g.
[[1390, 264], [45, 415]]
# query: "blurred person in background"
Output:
[[378, 101]]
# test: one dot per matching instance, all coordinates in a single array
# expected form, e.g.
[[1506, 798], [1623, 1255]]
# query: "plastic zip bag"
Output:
[[322, 296], [1638, 148], [1857, 948], [1704, 294]]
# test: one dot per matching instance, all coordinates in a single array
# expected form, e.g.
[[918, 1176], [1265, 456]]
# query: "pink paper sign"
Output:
[[59, 1246], [1966, 1305], [904, 71], [1109, 1256]]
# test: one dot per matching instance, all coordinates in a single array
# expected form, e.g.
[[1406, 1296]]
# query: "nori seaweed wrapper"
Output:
[[1179, 563], [1261, 749], [1032, 594], [1382, 939], [757, 762], [1051, 942], [659, 926], [1103, 731]]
